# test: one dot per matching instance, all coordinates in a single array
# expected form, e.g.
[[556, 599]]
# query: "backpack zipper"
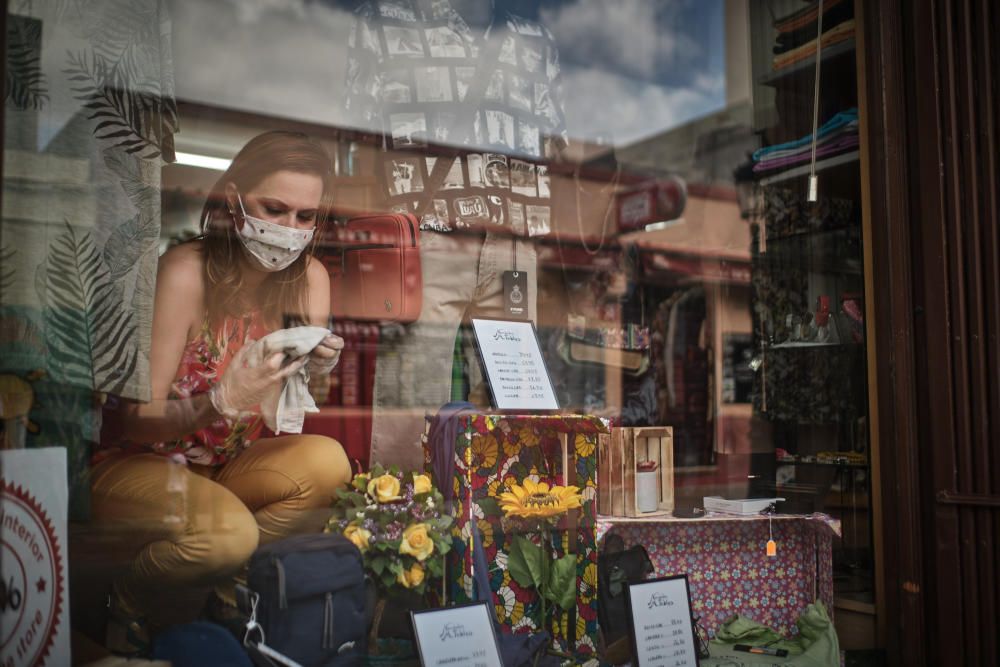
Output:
[[282, 597], [327, 642]]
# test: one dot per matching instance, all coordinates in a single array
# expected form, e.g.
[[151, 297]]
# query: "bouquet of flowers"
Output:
[[398, 522]]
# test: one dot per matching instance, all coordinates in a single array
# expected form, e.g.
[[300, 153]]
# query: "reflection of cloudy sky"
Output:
[[631, 67], [275, 57]]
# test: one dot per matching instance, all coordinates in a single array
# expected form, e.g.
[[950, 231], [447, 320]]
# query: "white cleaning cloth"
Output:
[[284, 409]]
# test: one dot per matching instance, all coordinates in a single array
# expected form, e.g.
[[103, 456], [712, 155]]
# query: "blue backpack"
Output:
[[312, 600]]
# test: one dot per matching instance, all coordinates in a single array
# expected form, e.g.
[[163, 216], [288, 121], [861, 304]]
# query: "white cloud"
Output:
[[600, 103], [272, 57], [636, 37]]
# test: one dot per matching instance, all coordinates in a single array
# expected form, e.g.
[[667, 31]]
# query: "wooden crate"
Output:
[[618, 454]]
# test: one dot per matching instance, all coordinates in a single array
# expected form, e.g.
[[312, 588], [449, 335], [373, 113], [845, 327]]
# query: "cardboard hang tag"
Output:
[[515, 294]]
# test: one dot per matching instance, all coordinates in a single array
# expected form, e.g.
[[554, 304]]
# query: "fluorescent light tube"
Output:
[[203, 161]]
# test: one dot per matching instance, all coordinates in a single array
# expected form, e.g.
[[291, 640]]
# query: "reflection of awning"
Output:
[[709, 269], [575, 257]]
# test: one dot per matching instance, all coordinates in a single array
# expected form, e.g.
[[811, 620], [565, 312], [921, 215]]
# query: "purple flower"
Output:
[[394, 530]]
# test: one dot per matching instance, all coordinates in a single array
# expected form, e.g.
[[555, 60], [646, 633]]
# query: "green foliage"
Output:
[[7, 271], [525, 562], [489, 506], [561, 588], [534, 566], [93, 332], [24, 83], [136, 121]]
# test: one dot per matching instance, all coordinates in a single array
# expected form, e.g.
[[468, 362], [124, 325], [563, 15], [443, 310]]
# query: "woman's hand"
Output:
[[324, 357], [241, 389]]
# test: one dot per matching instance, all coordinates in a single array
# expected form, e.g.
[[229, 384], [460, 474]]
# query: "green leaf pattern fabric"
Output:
[[89, 122]]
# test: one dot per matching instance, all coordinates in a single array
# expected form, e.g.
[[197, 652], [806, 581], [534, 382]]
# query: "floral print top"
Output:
[[203, 361]]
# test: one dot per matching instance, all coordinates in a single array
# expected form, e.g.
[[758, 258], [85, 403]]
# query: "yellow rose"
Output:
[[413, 577], [421, 484], [384, 489], [358, 535], [416, 542]]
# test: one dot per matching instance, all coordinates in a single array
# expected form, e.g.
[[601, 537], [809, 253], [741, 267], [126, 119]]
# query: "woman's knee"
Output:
[[323, 465], [226, 546]]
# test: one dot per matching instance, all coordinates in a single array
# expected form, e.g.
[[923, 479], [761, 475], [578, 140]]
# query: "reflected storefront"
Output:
[[242, 244]]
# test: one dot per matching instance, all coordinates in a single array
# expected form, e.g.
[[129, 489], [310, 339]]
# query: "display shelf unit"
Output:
[[811, 396], [850, 158], [841, 51]]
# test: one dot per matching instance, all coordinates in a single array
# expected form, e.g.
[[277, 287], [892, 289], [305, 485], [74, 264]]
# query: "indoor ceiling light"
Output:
[[203, 161]]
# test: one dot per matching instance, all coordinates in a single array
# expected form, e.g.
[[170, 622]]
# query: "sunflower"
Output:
[[538, 499]]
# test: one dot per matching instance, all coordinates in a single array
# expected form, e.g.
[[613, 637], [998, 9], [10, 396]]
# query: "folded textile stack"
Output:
[[797, 34], [835, 136]]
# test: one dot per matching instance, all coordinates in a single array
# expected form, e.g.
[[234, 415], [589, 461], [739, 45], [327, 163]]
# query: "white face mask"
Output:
[[274, 246]]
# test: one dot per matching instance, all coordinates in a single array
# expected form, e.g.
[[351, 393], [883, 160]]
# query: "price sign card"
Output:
[[459, 636], [514, 365], [662, 630]]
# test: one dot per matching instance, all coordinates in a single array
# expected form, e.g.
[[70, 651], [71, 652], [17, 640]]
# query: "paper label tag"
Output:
[[515, 294]]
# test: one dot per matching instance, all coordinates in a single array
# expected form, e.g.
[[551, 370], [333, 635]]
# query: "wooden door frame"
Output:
[[888, 183]]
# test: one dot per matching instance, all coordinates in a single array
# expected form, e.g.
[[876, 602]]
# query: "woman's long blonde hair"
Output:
[[283, 293]]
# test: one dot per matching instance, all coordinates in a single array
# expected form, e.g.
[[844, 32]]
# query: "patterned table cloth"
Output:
[[727, 567]]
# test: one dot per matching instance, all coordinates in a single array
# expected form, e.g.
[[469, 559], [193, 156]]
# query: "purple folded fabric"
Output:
[[841, 145]]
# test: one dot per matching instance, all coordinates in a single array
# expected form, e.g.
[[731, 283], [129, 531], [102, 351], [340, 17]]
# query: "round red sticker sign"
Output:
[[31, 586]]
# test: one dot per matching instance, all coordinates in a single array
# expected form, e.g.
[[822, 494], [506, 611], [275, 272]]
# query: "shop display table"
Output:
[[727, 567]]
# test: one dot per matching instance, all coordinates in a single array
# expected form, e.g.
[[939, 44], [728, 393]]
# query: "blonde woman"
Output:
[[190, 483]]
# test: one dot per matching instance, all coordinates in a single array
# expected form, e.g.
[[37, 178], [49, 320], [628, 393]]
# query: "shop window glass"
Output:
[[646, 165]]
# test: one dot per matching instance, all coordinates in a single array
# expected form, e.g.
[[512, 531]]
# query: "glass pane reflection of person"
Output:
[[188, 492], [411, 75]]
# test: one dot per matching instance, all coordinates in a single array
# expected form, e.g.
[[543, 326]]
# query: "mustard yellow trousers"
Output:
[[183, 529]]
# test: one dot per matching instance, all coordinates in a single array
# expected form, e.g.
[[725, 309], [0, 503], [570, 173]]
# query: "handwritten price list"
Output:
[[514, 365], [661, 619], [518, 375], [456, 637]]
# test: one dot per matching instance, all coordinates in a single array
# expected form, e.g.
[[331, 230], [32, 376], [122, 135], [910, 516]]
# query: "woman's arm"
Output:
[[318, 286], [178, 309]]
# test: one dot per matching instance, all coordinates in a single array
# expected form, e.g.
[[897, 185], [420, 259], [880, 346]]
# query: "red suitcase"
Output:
[[374, 264]]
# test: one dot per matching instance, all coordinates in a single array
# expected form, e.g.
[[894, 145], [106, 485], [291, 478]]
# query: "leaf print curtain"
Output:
[[89, 119]]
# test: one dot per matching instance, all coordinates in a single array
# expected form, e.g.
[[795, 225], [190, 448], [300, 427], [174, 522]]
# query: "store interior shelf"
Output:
[[807, 344], [798, 460], [832, 234], [844, 266], [803, 169], [808, 65]]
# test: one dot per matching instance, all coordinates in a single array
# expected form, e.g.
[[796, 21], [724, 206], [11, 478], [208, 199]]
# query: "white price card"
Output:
[[459, 636], [515, 369], [662, 629]]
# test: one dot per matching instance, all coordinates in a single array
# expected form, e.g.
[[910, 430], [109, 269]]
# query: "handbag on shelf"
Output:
[[378, 276]]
